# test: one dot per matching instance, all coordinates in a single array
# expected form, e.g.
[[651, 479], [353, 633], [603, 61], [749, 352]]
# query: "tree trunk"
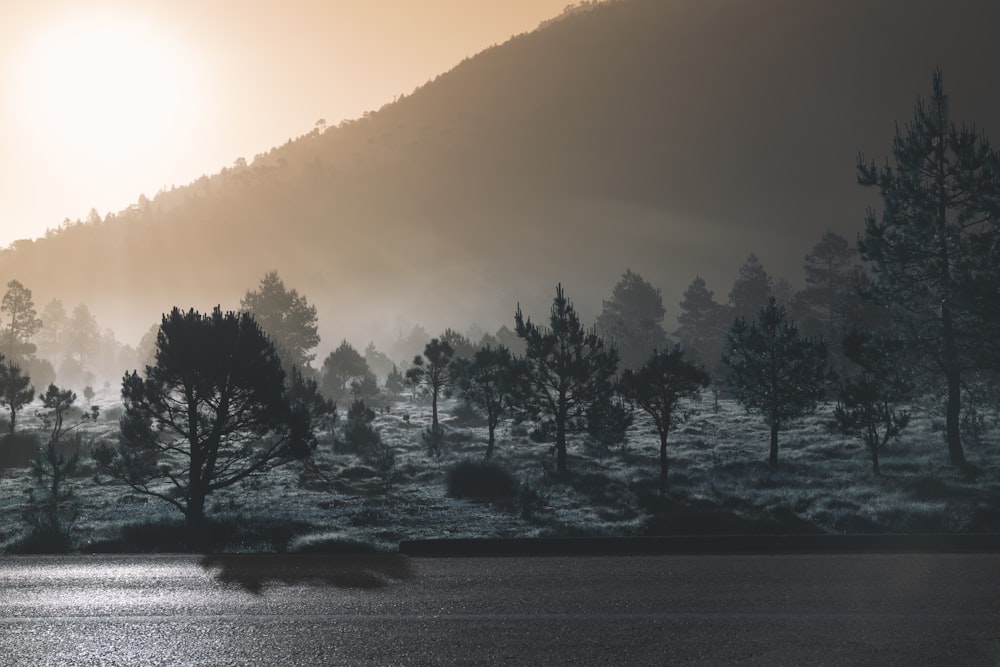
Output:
[[874, 451], [663, 462], [194, 517], [490, 440], [953, 414], [434, 409], [774, 445], [953, 375], [560, 445]]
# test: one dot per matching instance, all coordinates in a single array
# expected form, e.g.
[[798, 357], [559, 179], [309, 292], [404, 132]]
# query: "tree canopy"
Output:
[[286, 317], [213, 410], [773, 371], [632, 319], [567, 371]]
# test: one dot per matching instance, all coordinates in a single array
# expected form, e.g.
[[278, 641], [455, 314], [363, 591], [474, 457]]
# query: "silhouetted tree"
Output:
[[22, 322], [487, 381], [658, 387], [51, 511], [394, 382], [462, 346], [866, 407], [703, 324], [773, 371], [378, 362], [343, 367], [213, 410], [81, 339], [937, 236], [828, 268], [751, 290], [567, 371], [435, 374], [360, 435], [287, 318], [15, 389], [51, 336], [632, 319]]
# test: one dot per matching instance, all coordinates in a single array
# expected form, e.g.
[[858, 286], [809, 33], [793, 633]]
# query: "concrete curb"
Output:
[[706, 544]]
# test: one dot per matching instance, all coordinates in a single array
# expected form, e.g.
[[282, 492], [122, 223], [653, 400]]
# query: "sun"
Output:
[[109, 89]]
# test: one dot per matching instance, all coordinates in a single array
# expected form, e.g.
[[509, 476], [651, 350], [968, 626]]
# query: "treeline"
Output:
[[913, 311]]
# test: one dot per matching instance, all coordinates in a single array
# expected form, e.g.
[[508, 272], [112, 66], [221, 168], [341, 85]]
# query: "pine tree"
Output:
[[287, 318], [658, 387], [567, 371], [632, 319], [341, 368], [703, 323], [936, 238], [867, 403], [15, 389], [488, 381], [828, 268], [435, 374], [22, 322], [751, 290], [212, 411], [773, 371]]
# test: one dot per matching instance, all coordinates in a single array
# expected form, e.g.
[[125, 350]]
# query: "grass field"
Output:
[[719, 483]]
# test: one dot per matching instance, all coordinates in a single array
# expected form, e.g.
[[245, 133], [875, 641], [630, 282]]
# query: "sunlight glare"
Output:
[[109, 89]]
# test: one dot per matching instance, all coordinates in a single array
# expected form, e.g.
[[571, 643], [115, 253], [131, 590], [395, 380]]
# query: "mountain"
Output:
[[672, 137]]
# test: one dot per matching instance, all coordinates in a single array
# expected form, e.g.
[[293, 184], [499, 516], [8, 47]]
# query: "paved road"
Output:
[[939, 609]]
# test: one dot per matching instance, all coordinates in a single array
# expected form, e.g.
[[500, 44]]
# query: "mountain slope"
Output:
[[672, 137]]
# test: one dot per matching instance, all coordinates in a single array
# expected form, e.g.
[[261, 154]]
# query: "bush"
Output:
[[17, 449], [481, 480], [432, 438], [360, 437]]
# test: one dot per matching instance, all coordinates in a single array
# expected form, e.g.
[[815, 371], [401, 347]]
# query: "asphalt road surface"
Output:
[[884, 609]]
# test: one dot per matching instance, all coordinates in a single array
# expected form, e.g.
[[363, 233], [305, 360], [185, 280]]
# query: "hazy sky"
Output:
[[105, 100]]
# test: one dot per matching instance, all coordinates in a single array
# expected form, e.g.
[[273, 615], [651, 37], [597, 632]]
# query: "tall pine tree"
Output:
[[937, 237], [568, 371]]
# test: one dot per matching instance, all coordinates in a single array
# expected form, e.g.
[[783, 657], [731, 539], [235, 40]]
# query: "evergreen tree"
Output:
[[488, 381], [867, 402], [394, 382], [632, 319], [751, 290], [461, 345], [773, 371], [341, 368], [828, 268], [435, 374], [287, 318], [213, 411], [51, 337], [22, 322], [567, 371], [703, 324], [15, 389], [936, 239], [658, 387]]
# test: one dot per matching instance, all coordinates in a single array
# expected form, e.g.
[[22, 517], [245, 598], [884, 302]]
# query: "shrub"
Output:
[[432, 438], [17, 449], [483, 480], [360, 437]]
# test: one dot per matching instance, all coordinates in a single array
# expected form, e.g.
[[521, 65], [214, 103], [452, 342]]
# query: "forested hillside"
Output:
[[669, 137]]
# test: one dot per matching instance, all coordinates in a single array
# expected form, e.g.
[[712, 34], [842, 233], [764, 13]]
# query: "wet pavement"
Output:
[[906, 609]]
